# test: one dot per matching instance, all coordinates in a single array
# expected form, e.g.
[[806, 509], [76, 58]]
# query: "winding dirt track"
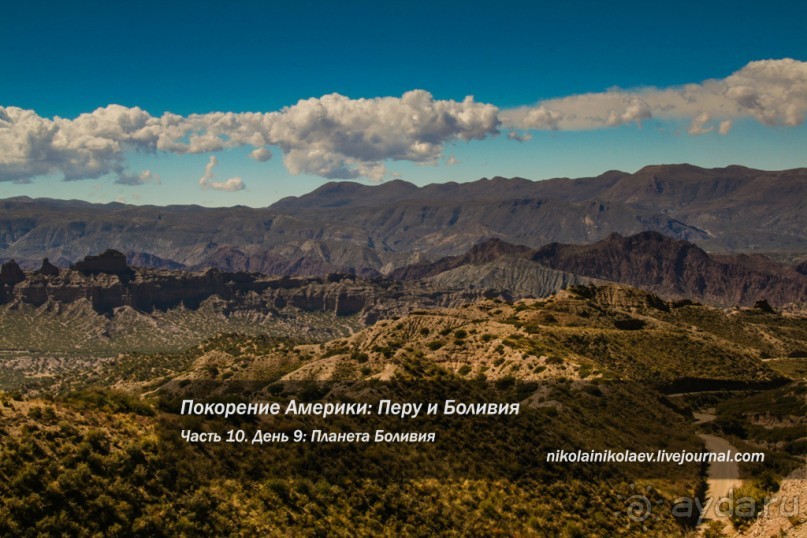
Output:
[[723, 478]]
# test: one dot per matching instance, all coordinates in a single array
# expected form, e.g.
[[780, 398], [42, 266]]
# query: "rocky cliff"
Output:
[[107, 283]]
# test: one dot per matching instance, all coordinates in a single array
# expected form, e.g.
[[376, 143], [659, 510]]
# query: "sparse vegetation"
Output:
[[80, 459]]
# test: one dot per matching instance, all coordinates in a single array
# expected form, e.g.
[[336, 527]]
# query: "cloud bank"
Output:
[[774, 92], [331, 136], [341, 138]]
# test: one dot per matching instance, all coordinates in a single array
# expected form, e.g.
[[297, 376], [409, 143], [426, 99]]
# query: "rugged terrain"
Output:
[[648, 260], [71, 320], [348, 227], [592, 366], [618, 311]]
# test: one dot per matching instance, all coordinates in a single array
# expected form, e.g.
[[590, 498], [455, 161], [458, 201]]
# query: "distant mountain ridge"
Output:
[[366, 230], [671, 268], [648, 260]]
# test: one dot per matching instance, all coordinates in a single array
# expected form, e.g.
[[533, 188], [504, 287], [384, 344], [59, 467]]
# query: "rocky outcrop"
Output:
[[47, 269], [671, 268], [111, 262], [486, 251], [144, 259], [101, 285], [764, 306], [518, 276], [11, 274], [623, 298]]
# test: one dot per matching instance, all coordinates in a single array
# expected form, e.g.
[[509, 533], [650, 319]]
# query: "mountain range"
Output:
[[648, 260], [348, 227], [673, 269]]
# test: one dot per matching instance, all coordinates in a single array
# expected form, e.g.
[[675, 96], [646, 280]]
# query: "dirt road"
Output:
[[723, 478]]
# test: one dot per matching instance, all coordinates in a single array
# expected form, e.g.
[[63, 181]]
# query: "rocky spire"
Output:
[[47, 269], [10, 273]]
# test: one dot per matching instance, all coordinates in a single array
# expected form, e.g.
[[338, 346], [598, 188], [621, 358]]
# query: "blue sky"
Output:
[[613, 63]]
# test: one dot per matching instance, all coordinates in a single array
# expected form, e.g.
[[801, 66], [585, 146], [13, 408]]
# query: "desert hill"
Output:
[[592, 368]]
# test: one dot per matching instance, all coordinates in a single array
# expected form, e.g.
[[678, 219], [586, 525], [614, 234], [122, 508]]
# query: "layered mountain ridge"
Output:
[[347, 227], [648, 260], [673, 269]]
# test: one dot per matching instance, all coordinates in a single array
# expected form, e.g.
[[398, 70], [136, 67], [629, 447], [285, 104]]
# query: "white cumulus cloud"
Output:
[[206, 181], [337, 137], [332, 136], [700, 124], [261, 154]]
